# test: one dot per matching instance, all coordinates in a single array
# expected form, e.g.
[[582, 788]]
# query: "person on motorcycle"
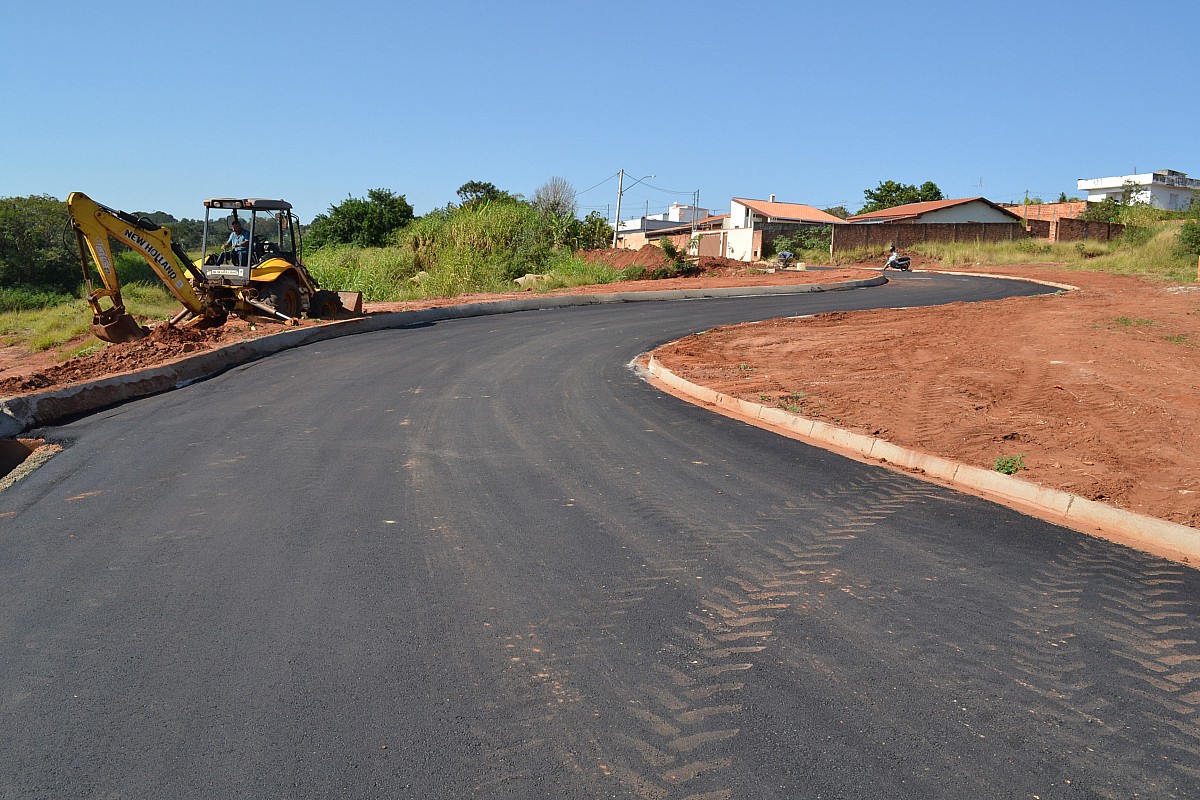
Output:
[[892, 258]]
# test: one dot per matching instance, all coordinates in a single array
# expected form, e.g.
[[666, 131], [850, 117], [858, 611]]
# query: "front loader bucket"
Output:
[[115, 326]]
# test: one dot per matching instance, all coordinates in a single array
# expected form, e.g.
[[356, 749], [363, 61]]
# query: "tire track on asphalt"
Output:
[[1093, 607], [677, 735]]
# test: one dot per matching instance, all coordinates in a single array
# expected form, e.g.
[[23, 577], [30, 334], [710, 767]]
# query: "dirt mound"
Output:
[[165, 344], [719, 267], [651, 256]]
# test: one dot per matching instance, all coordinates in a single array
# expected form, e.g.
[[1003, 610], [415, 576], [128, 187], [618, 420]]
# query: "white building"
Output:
[[673, 217], [1165, 188]]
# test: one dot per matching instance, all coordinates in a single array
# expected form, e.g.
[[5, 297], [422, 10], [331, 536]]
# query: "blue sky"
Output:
[[156, 106]]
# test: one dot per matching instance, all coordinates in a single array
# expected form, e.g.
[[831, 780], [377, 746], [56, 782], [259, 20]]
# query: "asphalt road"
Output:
[[483, 558]]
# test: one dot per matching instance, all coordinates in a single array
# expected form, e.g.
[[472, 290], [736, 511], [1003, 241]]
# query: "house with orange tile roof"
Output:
[[967, 209], [753, 226], [745, 213]]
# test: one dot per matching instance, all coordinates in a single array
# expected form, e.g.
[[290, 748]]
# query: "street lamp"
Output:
[[620, 191]]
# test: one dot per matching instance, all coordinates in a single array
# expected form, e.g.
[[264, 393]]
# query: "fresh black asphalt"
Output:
[[483, 558]]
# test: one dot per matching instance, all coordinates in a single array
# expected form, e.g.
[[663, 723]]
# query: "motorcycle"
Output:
[[896, 261]]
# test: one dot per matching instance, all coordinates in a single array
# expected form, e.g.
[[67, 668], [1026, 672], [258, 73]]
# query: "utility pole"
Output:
[[617, 218]]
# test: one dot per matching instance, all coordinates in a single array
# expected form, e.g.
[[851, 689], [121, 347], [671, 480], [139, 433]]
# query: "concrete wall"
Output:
[[739, 215], [743, 244], [900, 234]]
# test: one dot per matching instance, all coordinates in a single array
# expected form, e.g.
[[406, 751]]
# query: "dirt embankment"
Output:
[[1096, 390]]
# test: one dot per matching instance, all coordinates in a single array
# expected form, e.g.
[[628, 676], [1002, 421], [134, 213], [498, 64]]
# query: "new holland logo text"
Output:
[[152, 251]]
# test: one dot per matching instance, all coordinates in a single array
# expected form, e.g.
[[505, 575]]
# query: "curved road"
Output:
[[482, 558]]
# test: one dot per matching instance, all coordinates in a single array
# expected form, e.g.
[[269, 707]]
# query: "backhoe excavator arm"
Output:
[[94, 224]]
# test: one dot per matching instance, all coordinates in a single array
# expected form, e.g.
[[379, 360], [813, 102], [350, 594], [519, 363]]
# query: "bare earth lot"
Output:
[[1097, 389]]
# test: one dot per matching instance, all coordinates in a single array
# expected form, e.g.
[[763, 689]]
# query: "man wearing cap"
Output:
[[238, 243]]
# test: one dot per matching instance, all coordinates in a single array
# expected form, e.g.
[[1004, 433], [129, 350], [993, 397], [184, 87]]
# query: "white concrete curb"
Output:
[[1146, 533]]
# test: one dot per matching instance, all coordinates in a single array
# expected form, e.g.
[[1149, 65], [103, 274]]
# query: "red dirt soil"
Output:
[[1097, 389]]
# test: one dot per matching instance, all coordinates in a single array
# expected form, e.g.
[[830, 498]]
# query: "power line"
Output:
[[606, 180], [670, 191]]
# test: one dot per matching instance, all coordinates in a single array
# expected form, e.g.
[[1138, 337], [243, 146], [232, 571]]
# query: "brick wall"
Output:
[[900, 234], [1049, 211], [1041, 228], [1075, 230]]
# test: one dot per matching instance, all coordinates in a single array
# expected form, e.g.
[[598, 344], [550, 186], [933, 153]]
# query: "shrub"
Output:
[[1188, 243], [1009, 465], [32, 298]]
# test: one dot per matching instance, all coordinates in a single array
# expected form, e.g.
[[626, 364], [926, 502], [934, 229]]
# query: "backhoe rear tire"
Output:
[[283, 294]]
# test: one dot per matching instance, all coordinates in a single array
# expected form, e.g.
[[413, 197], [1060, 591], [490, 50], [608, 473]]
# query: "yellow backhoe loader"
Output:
[[264, 276]]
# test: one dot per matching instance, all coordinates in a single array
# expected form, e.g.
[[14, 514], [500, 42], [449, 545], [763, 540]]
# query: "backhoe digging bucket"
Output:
[[115, 326]]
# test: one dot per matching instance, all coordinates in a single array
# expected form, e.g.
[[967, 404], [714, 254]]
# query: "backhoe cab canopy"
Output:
[[270, 225]]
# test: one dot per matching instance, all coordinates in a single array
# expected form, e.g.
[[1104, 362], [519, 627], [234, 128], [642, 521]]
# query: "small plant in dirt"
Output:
[[744, 367], [792, 402], [1009, 465], [1031, 245], [1130, 322]]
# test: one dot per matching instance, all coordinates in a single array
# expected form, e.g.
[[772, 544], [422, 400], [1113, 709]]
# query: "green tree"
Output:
[[594, 232], [841, 212], [366, 222], [37, 246], [1107, 210], [890, 194], [474, 193], [187, 233]]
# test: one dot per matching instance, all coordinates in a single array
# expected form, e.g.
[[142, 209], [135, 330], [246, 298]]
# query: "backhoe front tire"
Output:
[[283, 294], [324, 304]]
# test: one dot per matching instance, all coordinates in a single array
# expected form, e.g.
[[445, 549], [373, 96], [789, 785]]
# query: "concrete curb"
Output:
[[1089, 516], [20, 414]]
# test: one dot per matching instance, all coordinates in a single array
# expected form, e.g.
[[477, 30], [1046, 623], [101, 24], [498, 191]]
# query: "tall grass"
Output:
[[446, 254], [1144, 251], [53, 326], [380, 273]]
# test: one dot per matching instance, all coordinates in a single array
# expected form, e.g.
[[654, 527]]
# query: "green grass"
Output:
[[52, 327], [392, 274], [380, 273], [1148, 252]]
